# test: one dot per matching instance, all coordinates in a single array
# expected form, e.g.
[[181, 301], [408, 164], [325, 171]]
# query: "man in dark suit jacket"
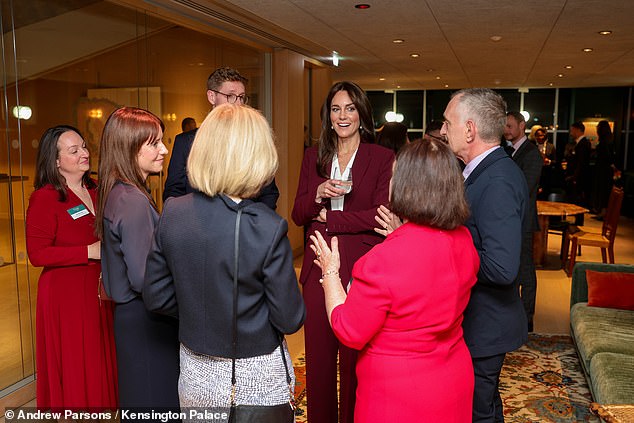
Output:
[[494, 321], [526, 155], [578, 166], [224, 85]]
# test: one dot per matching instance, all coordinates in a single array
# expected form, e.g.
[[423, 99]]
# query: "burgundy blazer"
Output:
[[354, 226]]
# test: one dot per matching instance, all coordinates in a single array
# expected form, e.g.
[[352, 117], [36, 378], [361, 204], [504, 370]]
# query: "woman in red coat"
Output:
[[345, 148], [75, 357], [404, 309]]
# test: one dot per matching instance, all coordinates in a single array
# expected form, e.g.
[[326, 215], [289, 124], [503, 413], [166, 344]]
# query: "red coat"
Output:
[[76, 364], [404, 314]]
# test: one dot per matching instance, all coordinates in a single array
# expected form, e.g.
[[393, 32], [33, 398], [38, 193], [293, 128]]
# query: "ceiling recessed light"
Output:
[[446, 85], [398, 41], [560, 75], [414, 55], [496, 38], [587, 50], [430, 70], [605, 32], [568, 67], [398, 86], [362, 6], [381, 79], [550, 84], [438, 77]]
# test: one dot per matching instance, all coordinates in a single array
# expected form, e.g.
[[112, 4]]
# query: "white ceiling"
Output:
[[539, 38]]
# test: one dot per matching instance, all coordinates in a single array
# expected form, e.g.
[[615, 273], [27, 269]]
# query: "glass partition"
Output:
[[74, 62]]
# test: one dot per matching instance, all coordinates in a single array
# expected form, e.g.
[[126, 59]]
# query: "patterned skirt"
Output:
[[205, 381]]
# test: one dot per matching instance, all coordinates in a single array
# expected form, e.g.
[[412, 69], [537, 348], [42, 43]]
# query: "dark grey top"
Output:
[[128, 225], [190, 275]]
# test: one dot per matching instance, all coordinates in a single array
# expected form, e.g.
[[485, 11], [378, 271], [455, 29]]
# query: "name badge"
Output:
[[78, 211]]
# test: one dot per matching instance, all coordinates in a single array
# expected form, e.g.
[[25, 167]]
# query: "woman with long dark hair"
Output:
[[329, 201]]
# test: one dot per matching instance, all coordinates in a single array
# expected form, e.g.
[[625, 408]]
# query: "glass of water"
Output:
[[346, 184]]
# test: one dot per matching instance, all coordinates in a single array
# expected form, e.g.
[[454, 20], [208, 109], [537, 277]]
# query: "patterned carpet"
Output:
[[541, 382]]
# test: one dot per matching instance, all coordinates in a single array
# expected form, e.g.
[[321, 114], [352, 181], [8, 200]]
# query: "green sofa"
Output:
[[604, 338]]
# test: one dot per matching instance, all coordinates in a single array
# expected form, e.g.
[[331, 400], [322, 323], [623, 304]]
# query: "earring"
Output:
[[332, 127], [360, 127]]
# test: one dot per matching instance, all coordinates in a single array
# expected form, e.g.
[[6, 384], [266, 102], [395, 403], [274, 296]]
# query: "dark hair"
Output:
[[125, 132], [427, 186], [187, 121], [328, 137], [434, 125], [604, 132], [541, 130], [392, 135], [517, 116], [46, 170], [224, 74], [580, 126]]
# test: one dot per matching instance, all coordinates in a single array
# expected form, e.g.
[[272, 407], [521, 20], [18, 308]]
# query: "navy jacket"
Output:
[[494, 321], [530, 161], [177, 183], [190, 268]]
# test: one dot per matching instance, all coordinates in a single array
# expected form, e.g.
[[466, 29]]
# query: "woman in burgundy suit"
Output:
[[405, 304], [76, 366], [345, 148]]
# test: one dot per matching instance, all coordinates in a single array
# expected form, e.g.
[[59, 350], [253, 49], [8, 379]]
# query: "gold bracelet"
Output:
[[328, 273]]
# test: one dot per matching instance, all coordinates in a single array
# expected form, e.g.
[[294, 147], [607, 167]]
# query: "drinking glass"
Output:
[[346, 184]]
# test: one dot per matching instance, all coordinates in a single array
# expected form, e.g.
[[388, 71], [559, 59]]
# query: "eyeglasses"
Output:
[[232, 98]]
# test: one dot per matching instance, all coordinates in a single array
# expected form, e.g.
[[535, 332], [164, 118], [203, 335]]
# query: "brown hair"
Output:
[[46, 170], [125, 132], [427, 186], [221, 75], [328, 137]]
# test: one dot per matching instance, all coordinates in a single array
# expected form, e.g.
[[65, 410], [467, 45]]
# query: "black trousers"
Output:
[[528, 278], [487, 403], [147, 358]]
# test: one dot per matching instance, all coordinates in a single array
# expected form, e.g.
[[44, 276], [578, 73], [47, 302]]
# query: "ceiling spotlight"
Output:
[[438, 77], [430, 70], [414, 55], [605, 32], [560, 75], [568, 66], [587, 50], [381, 79], [446, 85], [550, 84], [398, 41], [362, 6], [496, 38]]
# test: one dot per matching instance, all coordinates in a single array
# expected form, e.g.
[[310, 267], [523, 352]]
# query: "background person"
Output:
[[188, 124], [432, 132], [224, 85], [578, 166], [405, 304], [549, 171], [147, 343], [75, 351], [392, 135], [232, 157], [527, 157], [497, 194], [346, 144], [604, 169]]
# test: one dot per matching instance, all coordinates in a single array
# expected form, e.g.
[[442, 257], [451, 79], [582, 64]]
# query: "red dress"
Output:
[[75, 350], [404, 314]]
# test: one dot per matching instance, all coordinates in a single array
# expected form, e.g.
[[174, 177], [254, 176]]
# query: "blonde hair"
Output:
[[233, 153]]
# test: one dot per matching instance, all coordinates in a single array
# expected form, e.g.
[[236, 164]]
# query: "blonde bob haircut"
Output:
[[233, 153]]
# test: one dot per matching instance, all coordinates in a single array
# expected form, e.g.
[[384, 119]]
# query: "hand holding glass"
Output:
[[346, 184]]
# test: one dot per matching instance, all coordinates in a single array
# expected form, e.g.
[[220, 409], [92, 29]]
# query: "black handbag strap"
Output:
[[236, 251]]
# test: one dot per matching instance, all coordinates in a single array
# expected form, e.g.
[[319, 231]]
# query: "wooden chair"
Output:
[[591, 237]]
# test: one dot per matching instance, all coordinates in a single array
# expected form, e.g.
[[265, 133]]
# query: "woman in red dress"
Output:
[[408, 294], [75, 351]]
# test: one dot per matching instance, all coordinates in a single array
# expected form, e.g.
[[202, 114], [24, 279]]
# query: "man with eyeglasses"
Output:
[[224, 85]]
